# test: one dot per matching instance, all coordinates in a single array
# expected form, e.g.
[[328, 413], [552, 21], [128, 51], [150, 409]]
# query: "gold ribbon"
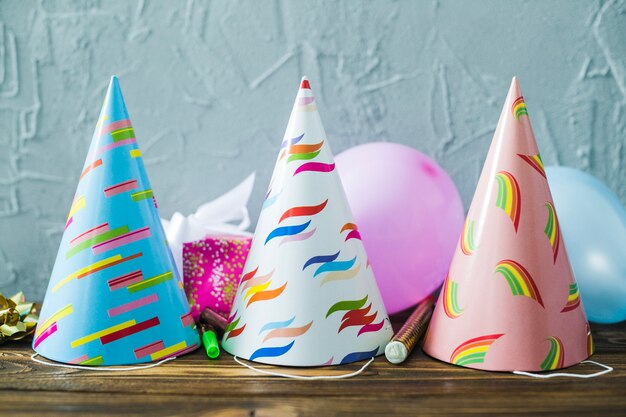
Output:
[[18, 318]]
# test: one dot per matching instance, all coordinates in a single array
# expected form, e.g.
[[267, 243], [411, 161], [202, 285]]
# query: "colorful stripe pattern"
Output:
[[123, 134], [115, 145], [450, 299], [519, 279], [231, 329], [130, 306], [89, 233], [359, 356], [320, 259], [473, 350], [468, 245], [315, 167], [103, 239], [95, 361], [287, 231], [535, 162], [287, 143], [553, 231], [93, 237], [121, 240], [120, 125], [79, 359], [281, 329], [77, 205], [125, 280], [122, 187], [509, 197], [253, 281], [150, 282], [296, 233], [177, 349], [249, 275], [187, 320], [271, 352], [44, 335], [353, 231], [297, 151], [277, 325], [90, 167], [93, 268], [573, 298], [116, 332], [142, 195], [149, 349], [356, 314], [49, 326], [333, 269], [556, 355], [270, 199], [519, 108], [111, 254], [299, 237], [306, 101], [335, 266], [290, 142], [341, 275], [262, 293], [303, 152], [303, 211]]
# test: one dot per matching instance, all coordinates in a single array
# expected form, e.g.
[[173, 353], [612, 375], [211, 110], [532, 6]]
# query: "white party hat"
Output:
[[308, 296]]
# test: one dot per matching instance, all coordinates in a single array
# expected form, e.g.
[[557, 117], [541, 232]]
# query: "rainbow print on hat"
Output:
[[473, 350], [308, 296], [468, 242], [450, 299], [510, 302], [114, 297]]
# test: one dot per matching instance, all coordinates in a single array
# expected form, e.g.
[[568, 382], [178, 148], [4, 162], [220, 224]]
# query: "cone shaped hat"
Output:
[[114, 296], [510, 301], [308, 296]]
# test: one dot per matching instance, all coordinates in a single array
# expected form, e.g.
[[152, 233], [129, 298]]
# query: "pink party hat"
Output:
[[510, 301], [308, 296]]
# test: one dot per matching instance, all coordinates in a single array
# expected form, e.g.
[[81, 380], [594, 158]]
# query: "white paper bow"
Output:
[[213, 218]]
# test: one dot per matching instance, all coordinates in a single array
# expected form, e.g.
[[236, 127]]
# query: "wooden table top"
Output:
[[195, 386]]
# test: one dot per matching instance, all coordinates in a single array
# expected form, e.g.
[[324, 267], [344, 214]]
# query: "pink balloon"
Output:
[[409, 214]]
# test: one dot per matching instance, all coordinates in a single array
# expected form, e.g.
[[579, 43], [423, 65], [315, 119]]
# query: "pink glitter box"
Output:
[[212, 269]]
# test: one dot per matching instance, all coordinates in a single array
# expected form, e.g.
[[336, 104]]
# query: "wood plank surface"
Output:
[[194, 386]]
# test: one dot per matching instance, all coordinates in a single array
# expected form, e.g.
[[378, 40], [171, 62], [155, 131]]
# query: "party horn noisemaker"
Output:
[[410, 333], [209, 341], [212, 326]]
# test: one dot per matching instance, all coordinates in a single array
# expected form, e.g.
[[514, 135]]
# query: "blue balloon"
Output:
[[593, 226]]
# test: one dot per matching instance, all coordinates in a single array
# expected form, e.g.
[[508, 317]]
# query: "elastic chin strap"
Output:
[[303, 377], [100, 368], [606, 370]]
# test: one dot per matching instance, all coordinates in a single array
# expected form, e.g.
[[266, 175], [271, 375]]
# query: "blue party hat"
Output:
[[115, 296]]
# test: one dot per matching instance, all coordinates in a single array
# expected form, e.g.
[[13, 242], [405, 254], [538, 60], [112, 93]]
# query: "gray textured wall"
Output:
[[209, 86]]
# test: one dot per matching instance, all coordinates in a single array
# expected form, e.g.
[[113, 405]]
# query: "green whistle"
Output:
[[209, 340]]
